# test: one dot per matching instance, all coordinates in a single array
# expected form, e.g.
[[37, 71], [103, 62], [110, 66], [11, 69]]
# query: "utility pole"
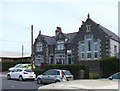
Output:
[[22, 52], [32, 46]]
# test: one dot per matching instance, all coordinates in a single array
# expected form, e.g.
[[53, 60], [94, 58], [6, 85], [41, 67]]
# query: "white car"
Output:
[[82, 85], [19, 66], [21, 74]]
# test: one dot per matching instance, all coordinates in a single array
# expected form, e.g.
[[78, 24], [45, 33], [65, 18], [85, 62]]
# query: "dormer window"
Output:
[[39, 47], [60, 36], [60, 45], [88, 28]]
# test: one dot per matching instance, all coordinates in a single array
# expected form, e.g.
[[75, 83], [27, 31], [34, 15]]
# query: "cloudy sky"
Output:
[[16, 18]]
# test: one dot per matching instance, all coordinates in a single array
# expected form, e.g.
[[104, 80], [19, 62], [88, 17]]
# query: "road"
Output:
[[15, 85]]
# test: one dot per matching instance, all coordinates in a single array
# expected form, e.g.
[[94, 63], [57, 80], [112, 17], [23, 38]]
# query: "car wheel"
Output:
[[8, 77], [57, 81], [39, 81], [20, 78]]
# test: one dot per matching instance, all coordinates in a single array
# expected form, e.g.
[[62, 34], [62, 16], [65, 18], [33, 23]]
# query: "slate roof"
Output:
[[108, 32], [70, 36], [52, 41], [113, 35]]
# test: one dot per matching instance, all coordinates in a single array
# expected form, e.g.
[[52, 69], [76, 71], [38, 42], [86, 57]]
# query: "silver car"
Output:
[[54, 75]]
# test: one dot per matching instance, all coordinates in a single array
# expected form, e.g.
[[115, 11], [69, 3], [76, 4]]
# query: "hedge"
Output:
[[109, 66], [7, 65], [73, 68]]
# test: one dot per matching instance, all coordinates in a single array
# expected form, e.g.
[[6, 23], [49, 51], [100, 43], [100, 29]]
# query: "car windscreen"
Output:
[[18, 65]]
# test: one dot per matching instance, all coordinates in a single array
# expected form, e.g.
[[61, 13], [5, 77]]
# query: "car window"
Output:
[[15, 70], [49, 72], [19, 70], [55, 73], [117, 76]]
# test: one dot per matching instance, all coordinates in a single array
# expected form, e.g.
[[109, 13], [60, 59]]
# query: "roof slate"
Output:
[[52, 40], [113, 35]]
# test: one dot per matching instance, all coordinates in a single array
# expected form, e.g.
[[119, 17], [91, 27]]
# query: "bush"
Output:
[[39, 71], [94, 75], [73, 68], [109, 66]]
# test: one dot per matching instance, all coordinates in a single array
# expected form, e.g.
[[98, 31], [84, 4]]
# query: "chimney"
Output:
[[82, 23], [88, 15], [58, 30], [39, 32]]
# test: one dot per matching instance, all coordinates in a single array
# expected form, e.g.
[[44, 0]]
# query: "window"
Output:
[[89, 45], [95, 47], [115, 49], [89, 55], [55, 73], [88, 27], [82, 55], [95, 54], [39, 47], [82, 47], [39, 59], [60, 36], [89, 48], [60, 45], [49, 72]]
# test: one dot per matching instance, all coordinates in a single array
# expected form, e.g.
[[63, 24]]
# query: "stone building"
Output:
[[87, 46]]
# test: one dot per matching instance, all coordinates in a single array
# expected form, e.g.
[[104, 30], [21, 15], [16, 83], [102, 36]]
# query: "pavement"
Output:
[[3, 73]]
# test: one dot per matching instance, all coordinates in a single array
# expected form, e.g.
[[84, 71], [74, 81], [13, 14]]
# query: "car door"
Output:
[[18, 73], [13, 74], [54, 75], [45, 76]]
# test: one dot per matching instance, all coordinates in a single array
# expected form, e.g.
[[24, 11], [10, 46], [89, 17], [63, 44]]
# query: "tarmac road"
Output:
[[15, 85]]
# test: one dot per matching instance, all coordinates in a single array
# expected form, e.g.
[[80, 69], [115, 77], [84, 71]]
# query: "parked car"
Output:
[[115, 76], [21, 74], [20, 66], [54, 75], [82, 85]]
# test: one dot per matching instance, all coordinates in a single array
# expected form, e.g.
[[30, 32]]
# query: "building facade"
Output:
[[87, 46]]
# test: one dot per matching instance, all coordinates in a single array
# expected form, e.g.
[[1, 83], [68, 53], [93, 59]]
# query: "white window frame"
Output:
[[60, 45], [88, 28], [39, 47]]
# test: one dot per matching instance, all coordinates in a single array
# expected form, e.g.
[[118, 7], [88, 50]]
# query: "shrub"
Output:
[[109, 66], [73, 68], [39, 71], [7, 65]]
